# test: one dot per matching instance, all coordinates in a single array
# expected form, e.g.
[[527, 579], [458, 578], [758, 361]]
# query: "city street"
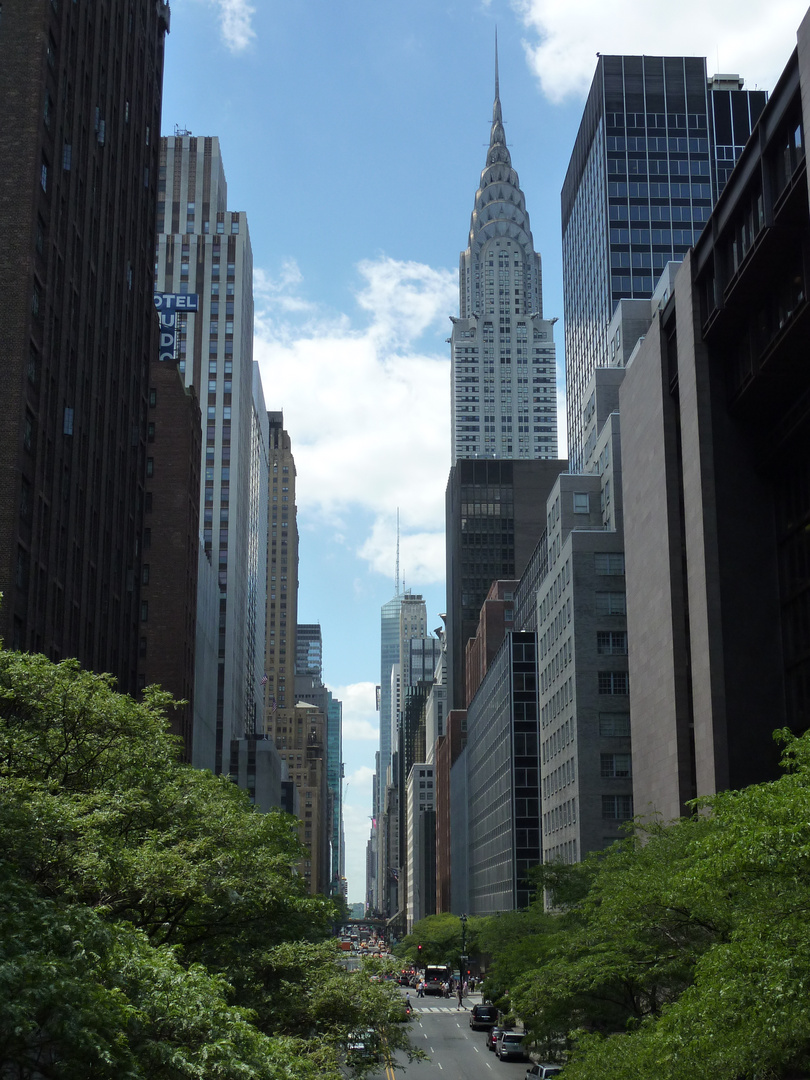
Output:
[[455, 1051]]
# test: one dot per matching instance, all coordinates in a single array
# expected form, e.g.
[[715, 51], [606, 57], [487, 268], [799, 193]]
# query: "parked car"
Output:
[[510, 1046], [542, 1071], [492, 1036], [483, 1017]]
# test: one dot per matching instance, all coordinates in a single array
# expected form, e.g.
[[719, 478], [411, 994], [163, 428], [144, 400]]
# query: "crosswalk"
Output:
[[422, 1006]]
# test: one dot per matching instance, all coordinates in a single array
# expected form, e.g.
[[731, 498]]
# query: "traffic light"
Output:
[[419, 950]]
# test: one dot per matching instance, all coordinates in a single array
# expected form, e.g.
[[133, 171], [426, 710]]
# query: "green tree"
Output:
[[85, 999], [440, 937], [690, 955], [177, 895]]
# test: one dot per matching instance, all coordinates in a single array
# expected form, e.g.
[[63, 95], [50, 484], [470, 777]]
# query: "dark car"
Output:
[[483, 1017], [510, 1046], [492, 1036], [362, 1048]]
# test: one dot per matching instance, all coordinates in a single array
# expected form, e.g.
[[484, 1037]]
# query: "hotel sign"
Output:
[[168, 305]]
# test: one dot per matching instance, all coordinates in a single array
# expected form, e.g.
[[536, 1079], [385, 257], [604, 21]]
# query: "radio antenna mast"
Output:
[[397, 552]]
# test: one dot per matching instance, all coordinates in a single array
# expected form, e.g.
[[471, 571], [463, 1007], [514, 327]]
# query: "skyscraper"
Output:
[[716, 443], [309, 650], [297, 727], [282, 581], [80, 87], [503, 368], [203, 248], [655, 146], [495, 513], [389, 656]]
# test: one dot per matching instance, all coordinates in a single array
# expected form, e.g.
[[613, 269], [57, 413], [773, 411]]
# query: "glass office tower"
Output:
[[656, 144]]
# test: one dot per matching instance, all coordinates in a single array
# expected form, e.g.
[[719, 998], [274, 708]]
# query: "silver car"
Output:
[[542, 1072], [510, 1045]]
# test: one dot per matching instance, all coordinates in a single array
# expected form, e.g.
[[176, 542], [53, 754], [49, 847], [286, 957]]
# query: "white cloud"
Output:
[[235, 21], [361, 781], [740, 36], [360, 717], [367, 409]]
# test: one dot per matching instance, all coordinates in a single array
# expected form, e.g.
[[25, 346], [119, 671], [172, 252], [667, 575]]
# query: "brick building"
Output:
[[166, 645], [80, 87]]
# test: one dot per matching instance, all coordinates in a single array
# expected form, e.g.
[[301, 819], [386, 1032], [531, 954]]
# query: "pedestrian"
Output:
[[461, 1004], [466, 988], [420, 989], [407, 1001]]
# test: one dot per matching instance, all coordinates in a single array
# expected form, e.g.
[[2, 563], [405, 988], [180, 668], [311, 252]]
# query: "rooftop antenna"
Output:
[[397, 552], [497, 86]]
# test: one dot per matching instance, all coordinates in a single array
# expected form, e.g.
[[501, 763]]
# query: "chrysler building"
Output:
[[504, 400]]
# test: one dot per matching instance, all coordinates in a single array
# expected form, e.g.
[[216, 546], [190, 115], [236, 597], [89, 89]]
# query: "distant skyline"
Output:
[[353, 136]]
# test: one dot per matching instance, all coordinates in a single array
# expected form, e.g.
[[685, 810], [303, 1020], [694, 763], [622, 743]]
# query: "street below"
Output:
[[456, 1052]]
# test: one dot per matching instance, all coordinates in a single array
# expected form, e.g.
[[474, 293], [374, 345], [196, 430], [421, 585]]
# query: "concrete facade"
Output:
[[715, 441], [204, 249]]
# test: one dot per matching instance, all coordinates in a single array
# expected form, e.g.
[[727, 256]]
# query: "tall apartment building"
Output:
[[334, 780], [204, 249], [503, 364], [389, 656], [655, 146], [421, 846], [80, 87], [409, 659], [282, 580], [321, 806], [298, 729], [582, 646]]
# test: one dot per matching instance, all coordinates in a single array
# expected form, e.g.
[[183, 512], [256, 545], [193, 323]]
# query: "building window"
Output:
[[611, 642], [614, 725], [618, 765], [581, 502], [614, 682], [609, 562], [28, 432], [611, 603], [617, 807]]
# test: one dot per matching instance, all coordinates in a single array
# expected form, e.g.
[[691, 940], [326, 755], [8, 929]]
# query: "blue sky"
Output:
[[353, 135]]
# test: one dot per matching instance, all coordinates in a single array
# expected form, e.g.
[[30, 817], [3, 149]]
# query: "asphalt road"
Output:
[[455, 1051]]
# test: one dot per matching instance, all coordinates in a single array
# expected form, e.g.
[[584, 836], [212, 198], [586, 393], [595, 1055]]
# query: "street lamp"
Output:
[[463, 920]]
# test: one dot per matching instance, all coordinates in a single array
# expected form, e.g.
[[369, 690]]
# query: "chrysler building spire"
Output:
[[504, 402]]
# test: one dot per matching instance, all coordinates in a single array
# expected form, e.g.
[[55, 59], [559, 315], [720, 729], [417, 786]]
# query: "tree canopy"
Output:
[[688, 956], [152, 923]]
